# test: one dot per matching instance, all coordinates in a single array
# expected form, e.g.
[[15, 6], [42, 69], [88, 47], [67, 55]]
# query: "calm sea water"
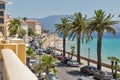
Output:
[[110, 47]]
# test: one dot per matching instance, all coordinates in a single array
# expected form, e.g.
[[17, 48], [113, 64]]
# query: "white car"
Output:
[[32, 62], [72, 63], [51, 76]]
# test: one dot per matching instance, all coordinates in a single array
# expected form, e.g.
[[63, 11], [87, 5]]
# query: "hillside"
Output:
[[48, 22]]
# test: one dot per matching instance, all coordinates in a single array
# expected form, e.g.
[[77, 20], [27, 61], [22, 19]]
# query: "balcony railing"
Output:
[[13, 68]]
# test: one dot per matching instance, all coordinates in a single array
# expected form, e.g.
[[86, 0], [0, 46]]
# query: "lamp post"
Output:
[[88, 56]]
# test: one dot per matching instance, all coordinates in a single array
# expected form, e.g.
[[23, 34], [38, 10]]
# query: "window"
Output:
[[1, 20], [2, 6], [1, 13]]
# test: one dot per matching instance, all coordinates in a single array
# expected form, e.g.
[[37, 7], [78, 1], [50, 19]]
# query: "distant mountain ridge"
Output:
[[48, 23]]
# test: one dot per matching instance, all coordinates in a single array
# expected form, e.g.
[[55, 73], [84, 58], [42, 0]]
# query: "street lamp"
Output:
[[88, 56]]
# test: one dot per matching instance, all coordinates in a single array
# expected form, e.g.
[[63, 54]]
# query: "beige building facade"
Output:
[[35, 26], [2, 17]]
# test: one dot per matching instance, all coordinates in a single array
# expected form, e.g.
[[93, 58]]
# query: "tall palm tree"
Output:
[[63, 29], [100, 23], [15, 28], [78, 25], [47, 64]]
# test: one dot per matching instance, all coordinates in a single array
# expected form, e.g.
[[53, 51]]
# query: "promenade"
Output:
[[84, 62]]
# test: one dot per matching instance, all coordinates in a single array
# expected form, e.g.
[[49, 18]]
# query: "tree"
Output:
[[72, 51], [24, 18], [112, 59], [30, 54], [63, 29], [30, 32], [78, 24], [15, 28], [48, 62], [100, 23]]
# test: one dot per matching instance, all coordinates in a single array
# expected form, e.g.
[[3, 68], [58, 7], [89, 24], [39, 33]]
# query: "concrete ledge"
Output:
[[14, 68]]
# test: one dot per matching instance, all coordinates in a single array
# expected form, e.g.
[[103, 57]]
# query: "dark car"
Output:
[[65, 59], [48, 51], [104, 75], [90, 70]]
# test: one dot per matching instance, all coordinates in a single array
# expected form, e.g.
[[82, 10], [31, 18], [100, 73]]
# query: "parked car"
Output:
[[90, 70], [72, 62], [118, 78], [59, 57], [104, 75], [65, 59], [32, 62], [54, 54], [51, 76]]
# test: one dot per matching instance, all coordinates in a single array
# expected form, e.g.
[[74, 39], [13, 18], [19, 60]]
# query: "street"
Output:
[[70, 73]]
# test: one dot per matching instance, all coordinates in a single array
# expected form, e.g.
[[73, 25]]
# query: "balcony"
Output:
[[12, 67]]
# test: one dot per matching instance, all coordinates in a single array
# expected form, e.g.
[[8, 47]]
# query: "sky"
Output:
[[44, 8]]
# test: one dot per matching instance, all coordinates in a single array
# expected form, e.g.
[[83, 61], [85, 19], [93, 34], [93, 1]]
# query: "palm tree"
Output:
[[47, 64], [112, 59], [63, 29], [29, 54], [78, 24], [72, 51], [116, 66], [15, 28], [100, 23]]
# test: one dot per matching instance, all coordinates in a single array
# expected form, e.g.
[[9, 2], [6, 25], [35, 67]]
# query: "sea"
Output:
[[110, 47]]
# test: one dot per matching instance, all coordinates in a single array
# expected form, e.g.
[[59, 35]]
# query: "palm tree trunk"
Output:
[[112, 62], [78, 47], [115, 75], [64, 42], [28, 61], [47, 74], [71, 55], [99, 43]]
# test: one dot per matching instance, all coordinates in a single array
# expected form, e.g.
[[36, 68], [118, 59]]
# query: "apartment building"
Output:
[[35, 26], [2, 17]]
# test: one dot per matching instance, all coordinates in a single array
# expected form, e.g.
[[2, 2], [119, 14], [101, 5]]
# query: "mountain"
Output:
[[48, 22]]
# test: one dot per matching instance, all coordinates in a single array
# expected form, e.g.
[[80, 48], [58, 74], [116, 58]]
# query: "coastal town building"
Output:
[[2, 17], [35, 26]]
